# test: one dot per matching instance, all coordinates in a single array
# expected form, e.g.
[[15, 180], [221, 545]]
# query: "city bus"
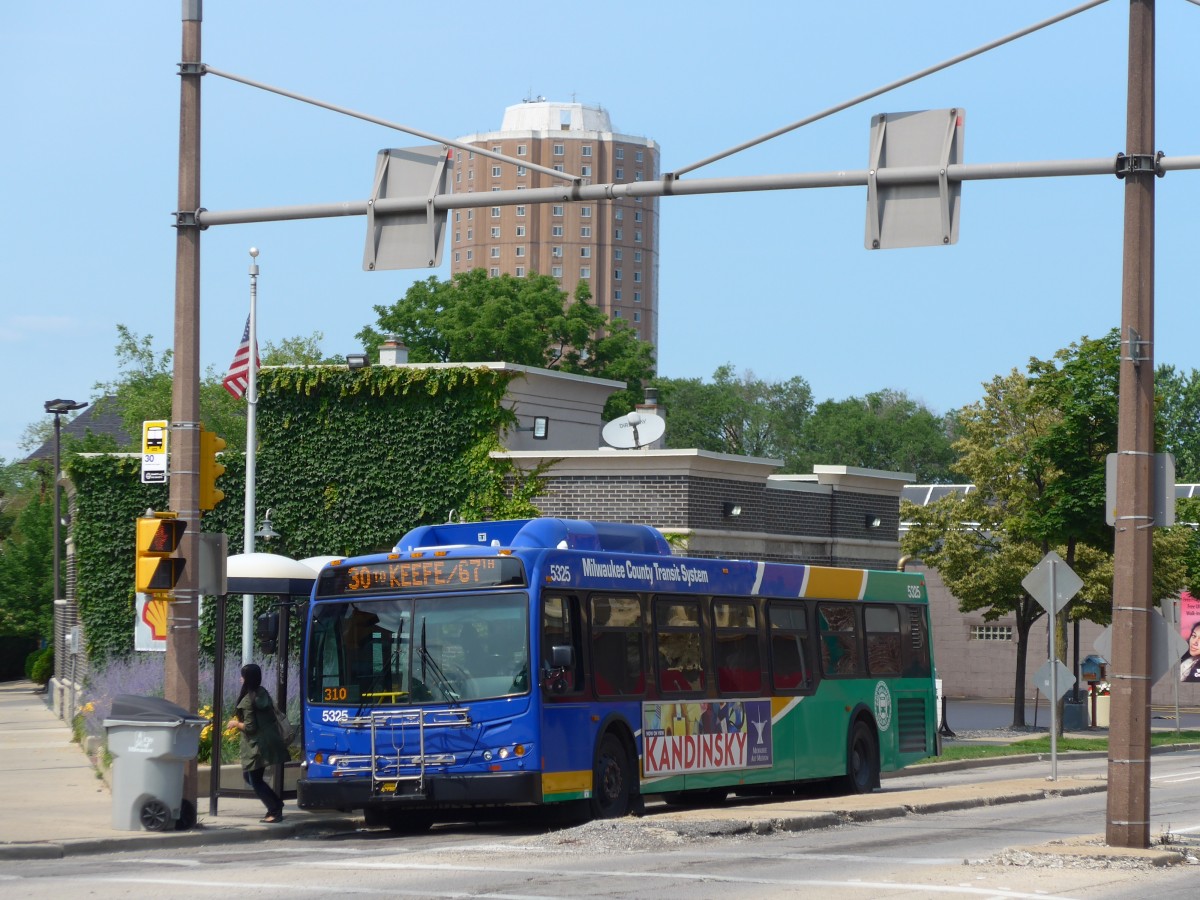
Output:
[[550, 661]]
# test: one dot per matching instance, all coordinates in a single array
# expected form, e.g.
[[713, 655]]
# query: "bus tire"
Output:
[[612, 780], [862, 760]]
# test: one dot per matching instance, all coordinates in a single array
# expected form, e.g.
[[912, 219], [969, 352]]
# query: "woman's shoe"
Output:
[[272, 819]]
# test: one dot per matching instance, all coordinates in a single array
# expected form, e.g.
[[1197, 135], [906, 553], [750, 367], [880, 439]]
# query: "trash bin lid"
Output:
[[136, 708]]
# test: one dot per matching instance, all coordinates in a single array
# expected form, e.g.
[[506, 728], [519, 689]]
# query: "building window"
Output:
[[495, 212], [520, 171], [617, 233], [458, 215], [637, 215], [616, 314], [637, 277], [585, 252], [470, 255], [470, 174], [617, 253], [556, 251], [556, 210], [470, 214], [495, 253], [637, 156], [619, 174], [637, 315], [458, 237], [619, 214], [457, 256], [585, 212], [585, 231], [586, 150], [520, 270], [585, 171], [470, 234], [556, 231], [496, 189], [497, 149], [496, 232], [558, 150], [637, 176], [637, 255], [617, 296], [620, 153], [558, 167], [991, 632], [520, 149], [585, 272], [458, 177], [495, 171], [520, 251], [616, 274], [520, 231], [637, 296], [637, 237], [556, 271], [520, 210], [495, 273]]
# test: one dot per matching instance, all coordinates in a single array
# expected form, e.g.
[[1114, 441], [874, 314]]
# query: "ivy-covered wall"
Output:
[[347, 462]]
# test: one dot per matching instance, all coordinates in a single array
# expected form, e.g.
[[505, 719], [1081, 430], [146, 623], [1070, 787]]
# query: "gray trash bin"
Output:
[[151, 740]]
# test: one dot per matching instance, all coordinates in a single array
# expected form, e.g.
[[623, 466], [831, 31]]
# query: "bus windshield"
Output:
[[397, 651]]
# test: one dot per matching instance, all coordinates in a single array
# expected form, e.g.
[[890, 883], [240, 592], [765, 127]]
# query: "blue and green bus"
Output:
[[550, 661]]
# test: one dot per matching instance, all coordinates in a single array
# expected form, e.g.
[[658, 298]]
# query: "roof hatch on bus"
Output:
[[565, 534]]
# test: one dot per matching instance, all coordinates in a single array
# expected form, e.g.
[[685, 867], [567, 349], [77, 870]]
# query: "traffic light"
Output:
[[210, 469], [157, 538]]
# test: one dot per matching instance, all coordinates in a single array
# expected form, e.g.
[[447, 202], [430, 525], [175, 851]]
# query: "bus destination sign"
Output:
[[440, 574]]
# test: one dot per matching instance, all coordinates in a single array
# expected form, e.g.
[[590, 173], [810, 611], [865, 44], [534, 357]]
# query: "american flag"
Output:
[[238, 377]]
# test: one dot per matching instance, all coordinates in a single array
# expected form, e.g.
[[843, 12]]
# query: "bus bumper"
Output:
[[440, 792]]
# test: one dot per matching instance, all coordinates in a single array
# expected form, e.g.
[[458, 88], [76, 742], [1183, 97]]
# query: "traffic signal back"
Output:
[[210, 469]]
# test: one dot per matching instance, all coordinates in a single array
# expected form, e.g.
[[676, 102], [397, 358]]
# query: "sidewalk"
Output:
[[55, 804]]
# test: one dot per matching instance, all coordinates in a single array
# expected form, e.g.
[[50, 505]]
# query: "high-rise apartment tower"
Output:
[[610, 244]]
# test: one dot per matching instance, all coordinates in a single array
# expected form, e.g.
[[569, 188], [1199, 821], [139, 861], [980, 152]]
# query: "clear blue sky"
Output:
[[775, 282]]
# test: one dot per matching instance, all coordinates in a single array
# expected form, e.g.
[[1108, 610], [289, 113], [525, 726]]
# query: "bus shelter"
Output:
[[290, 582]]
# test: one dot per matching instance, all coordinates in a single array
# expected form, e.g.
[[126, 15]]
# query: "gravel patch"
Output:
[[631, 835]]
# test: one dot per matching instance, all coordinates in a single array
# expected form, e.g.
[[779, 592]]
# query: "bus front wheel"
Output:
[[612, 780], [862, 762]]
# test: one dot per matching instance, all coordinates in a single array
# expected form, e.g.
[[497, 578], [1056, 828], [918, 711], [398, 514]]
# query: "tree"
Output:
[[745, 415], [883, 430], [26, 572], [1177, 407], [526, 321]]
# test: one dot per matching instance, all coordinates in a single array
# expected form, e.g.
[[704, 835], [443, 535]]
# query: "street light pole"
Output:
[[57, 408]]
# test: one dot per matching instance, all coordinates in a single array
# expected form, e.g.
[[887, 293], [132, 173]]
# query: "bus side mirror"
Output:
[[266, 629], [554, 678]]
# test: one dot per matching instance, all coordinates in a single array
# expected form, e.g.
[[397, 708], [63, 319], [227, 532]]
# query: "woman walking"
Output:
[[262, 744]]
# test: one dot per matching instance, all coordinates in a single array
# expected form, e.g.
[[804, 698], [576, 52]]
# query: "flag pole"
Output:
[[251, 450]]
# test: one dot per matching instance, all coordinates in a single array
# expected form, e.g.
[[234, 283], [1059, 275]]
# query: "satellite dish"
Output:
[[634, 430]]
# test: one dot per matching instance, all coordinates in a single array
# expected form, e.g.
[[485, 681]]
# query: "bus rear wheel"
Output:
[[612, 780], [862, 762]]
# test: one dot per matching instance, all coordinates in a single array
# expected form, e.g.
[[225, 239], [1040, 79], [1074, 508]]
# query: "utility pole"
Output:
[[182, 662], [1129, 735]]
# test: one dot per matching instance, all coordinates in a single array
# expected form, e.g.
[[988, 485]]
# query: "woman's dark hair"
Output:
[[251, 680]]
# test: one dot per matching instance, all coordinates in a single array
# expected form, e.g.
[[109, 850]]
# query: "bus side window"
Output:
[[839, 639], [788, 623], [680, 649], [561, 628], [915, 646], [739, 668], [883, 639], [617, 665]]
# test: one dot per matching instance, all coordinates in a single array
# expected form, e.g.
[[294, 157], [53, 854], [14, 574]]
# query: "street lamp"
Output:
[[57, 408]]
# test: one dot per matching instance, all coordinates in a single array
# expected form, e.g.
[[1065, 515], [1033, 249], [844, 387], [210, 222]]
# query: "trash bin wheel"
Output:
[[156, 816], [187, 816]]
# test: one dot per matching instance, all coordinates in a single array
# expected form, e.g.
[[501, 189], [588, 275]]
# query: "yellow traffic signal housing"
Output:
[[157, 539], [210, 469]]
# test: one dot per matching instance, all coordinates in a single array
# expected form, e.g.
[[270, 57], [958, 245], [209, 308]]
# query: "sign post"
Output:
[[1052, 583]]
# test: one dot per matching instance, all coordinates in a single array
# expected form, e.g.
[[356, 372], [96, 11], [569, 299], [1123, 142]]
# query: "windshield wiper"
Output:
[[439, 676]]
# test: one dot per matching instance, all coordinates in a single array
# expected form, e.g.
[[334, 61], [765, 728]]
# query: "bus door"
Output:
[[567, 732], [796, 725]]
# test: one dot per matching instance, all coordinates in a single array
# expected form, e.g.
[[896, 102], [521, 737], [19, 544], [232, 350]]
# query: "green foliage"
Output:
[[742, 415], [300, 351], [525, 321], [26, 570], [883, 430], [347, 462], [41, 668], [1177, 408]]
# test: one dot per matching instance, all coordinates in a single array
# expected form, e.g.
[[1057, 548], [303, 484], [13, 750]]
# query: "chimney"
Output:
[[392, 352], [650, 406]]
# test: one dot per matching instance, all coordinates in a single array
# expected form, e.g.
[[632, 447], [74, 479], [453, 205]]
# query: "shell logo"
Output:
[[154, 614]]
